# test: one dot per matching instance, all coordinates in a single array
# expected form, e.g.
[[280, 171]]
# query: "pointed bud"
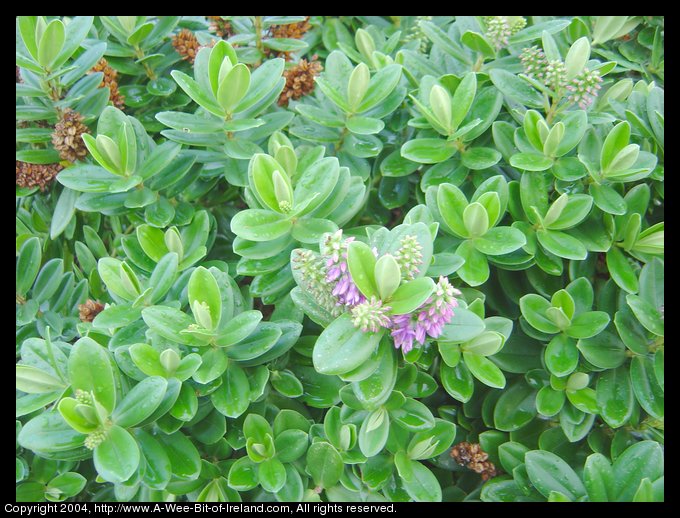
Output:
[[365, 43], [440, 102], [387, 276], [174, 242], [170, 361], [201, 313], [357, 85], [282, 190]]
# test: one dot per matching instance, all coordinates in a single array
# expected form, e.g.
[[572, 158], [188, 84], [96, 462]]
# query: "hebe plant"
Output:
[[313, 258]]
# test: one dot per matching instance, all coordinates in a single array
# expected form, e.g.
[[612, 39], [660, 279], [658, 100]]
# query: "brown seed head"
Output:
[[111, 81], [473, 457], [67, 137], [299, 80], [89, 310], [186, 45], [36, 175], [291, 30], [220, 27]]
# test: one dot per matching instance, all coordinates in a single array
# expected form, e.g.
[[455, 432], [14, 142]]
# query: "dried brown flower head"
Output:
[[220, 27], [19, 80], [111, 81], [67, 137], [89, 310], [291, 30], [36, 175], [473, 457], [299, 80], [186, 45]]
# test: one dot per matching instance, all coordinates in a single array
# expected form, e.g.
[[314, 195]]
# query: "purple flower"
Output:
[[428, 320], [337, 271]]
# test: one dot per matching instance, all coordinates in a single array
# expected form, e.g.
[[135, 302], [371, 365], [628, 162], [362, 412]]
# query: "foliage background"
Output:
[[165, 347]]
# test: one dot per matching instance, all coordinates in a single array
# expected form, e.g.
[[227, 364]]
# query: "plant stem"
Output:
[[257, 22], [149, 71]]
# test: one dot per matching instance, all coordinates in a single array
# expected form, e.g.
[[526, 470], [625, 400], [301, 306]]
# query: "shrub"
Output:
[[340, 258]]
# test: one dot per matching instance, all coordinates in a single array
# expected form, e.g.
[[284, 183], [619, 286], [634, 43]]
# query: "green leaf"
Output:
[[464, 326], [373, 433], [562, 244], [607, 199], [364, 125], [515, 88], [117, 458], [649, 316], [420, 483], [324, 464], [361, 263], [475, 269], [411, 295], [260, 225], [233, 397], [646, 387], [28, 265], [484, 370], [203, 289], [549, 401], [457, 381], [140, 402], [598, 478], [428, 150], [588, 324], [534, 309], [193, 90], [462, 99], [51, 43], [561, 355], [478, 158], [548, 472], [500, 241], [342, 347], [184, 457], [90, 368], [616, 140], [615, 398], [531, 162], [272, 475], [515, 408], [243, 475], [642, 460], [32, 380], [49, 433]]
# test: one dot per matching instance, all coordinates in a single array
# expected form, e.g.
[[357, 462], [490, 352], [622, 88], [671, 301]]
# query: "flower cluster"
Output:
[[409, 257], [428, 320], [94, 439], [500, 28], [534, 62], [327, 278], [415, 33], [584, 87], [313, 276], [371, 315], [290, 30]]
